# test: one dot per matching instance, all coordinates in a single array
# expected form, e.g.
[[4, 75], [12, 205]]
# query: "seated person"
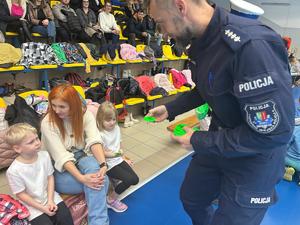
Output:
[[31, 179], [63, 14], [137, 29], [108, 24], [42, 19], [96, 6], [89, 23], [152, 29], [14, 17]]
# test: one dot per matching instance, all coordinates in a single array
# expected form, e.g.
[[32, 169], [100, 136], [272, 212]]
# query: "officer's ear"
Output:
[[181, 7]]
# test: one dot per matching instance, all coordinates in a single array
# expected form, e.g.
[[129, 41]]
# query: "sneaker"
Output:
[[289, 172], [116, 205]]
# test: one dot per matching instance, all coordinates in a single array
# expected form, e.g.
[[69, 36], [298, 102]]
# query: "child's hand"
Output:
[[128, 161], [47, 211], [52, 206]]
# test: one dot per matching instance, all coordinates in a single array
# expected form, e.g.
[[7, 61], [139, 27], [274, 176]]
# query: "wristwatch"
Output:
[[103, 164]]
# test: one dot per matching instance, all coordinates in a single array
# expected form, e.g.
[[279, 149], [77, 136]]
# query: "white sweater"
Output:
[[107, 22], [61, 150]]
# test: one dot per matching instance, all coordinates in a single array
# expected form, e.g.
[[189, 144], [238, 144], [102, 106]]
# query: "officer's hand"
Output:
[[184, 140], [160, 113]]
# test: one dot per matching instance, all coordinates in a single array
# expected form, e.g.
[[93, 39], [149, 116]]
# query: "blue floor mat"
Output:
[[158, 203]]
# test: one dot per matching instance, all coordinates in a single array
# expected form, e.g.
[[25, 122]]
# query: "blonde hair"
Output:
[[106, 112], [17, 132]]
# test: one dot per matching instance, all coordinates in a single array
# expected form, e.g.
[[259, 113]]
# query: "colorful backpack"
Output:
[[12, 211], [75, 79], [146, 84], [115, 95], [178, 78]]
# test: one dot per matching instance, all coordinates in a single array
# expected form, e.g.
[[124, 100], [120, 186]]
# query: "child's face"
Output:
[[30, 145], [109, 125]]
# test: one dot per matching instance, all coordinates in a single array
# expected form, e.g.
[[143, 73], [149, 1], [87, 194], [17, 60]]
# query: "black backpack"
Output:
[[115, 94], [73, 21], [20, 112], [130, 87]]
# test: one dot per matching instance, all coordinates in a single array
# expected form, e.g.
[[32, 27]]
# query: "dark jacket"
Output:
[[5, 17], [33, 12], [240, 68], [135, 26], [86, 19]]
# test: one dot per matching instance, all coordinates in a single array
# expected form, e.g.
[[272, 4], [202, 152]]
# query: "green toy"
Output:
[[150, 119], [202, 111], [179, 131]]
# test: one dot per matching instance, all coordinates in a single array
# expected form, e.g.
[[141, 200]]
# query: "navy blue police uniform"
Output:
[[241, 70]]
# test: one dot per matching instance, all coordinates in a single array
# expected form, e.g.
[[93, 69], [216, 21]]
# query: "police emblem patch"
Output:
[[262, 117]]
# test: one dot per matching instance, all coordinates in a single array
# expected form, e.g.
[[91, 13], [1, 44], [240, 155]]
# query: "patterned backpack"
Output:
[[12, 212], [75, 79]]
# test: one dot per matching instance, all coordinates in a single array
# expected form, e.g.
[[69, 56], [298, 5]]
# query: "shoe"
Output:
[[128, 122], [132, 119], [289, 172], [116, 205]]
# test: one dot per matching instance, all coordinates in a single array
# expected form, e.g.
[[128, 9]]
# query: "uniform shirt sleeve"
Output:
[[92, 135], [53, 143], [184, 103], [262, 89]]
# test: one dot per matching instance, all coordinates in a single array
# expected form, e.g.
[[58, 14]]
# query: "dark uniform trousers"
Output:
[[244, 188]]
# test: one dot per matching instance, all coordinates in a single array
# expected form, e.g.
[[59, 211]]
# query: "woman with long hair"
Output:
[[70, 135], [14, 17]]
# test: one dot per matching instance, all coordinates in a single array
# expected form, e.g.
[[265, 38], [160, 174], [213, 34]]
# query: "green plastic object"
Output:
[[150, 119], [202, 111], [179, 131]]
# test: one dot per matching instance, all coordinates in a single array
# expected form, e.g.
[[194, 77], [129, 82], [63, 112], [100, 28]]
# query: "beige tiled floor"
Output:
[[148, 145]]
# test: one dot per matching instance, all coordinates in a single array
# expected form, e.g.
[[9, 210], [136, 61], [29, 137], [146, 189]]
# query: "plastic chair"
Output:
[[34, 92], [2, 103], [80, 90]]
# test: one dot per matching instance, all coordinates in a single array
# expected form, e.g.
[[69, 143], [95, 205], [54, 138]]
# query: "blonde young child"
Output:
[[30, 178], [119, 167]]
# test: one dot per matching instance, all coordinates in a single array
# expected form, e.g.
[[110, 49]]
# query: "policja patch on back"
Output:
[[262, 117]]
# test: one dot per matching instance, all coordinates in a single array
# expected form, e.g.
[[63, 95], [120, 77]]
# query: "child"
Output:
[[30, 178], [118, 167]]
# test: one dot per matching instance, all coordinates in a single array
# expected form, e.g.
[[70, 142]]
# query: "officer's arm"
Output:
[[262, 88], [184, 103]]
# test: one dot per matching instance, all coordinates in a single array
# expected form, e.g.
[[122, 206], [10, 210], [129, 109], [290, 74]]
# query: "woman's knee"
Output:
[[88, 165]]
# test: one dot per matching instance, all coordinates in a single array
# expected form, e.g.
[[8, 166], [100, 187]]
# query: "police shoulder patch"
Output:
[[234, 37], [262, 117]]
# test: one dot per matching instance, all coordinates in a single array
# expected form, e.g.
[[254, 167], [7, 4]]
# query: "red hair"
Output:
[[69, 95]]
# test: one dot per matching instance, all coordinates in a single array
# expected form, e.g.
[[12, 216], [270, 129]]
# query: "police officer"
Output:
[[241, 70]]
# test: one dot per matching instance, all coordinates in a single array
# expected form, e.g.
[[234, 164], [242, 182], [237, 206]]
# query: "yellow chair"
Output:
[[53, 3], [117, 60], [122, 37], [80, 90], [11, 34], [13, 68], [2, 103], [168, 53], [34, 92], [94, 84]]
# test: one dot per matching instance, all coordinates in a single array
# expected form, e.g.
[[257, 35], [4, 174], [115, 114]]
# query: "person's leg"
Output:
[[148, 39], [26, 30], [125, 174], [96, 199], [40, 29], [131, 39], [63, 215], [51, 30], [115, 38], [63, 34], [247, 188], [200, 187], [65, 183], [159, 38], [108, 37], [42, 219]]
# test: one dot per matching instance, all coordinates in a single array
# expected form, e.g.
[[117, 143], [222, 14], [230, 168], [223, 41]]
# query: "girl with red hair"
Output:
[[70, 135]]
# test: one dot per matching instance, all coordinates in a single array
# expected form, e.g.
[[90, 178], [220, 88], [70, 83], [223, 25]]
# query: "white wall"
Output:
[[282, 19]]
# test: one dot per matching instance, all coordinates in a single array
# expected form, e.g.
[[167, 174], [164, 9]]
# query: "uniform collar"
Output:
[[212, 31]]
